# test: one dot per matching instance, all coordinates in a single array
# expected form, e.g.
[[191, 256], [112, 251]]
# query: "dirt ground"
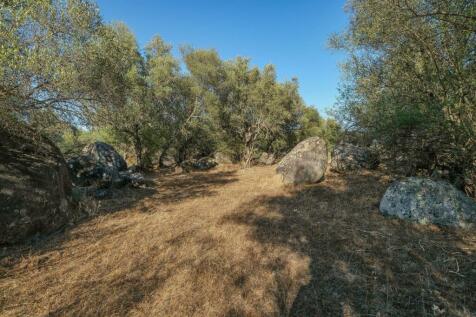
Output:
[[233, 242]]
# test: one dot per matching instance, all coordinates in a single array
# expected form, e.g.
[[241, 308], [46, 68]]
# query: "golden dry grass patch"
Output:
[[233, 242]]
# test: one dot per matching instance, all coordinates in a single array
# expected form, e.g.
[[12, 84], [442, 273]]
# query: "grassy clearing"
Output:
[[235, 243]]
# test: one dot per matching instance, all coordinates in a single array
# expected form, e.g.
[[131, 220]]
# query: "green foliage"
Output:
[[75, 79], [42, 55], [312, 124], [412, 80], [187, 127], [252, 111], [117, 76], [73, 140]]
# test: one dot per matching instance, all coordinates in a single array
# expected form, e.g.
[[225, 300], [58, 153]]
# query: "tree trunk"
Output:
[[138, 151], [248, 152], [247, 156]]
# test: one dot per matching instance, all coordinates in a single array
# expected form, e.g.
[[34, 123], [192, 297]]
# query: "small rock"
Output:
[[137, 180], [205, 163]]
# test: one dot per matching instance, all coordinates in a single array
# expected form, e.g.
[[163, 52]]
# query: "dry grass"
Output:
[[235, 243]]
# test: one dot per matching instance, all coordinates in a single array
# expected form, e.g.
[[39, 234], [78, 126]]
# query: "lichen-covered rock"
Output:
[[428, 201], [133, 178], [104, 154], [35, 187], [202, 164], [99, 166], [306, 163], [347, 157], [205, 163]]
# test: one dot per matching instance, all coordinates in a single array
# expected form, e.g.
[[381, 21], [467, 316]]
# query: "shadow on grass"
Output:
[[322, 250], [161, 189], [361, 263], [113, 262], [167, 188], [178, 188]]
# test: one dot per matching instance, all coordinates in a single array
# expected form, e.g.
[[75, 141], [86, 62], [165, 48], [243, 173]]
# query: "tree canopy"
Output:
[[411, 81], [43, 55], [63, 67]]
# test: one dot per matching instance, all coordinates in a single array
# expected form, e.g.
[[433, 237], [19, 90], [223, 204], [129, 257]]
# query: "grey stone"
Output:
[[202, 164], [306, 163], [36, 189], [205, 163], [134, 179], [99, 166], [425, 200], [104, 154]]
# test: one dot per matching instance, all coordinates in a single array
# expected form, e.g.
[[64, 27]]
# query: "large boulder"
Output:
[[99, 165], [306, 163], [425, 200], [348, 157], [104, 154], [35, 187]]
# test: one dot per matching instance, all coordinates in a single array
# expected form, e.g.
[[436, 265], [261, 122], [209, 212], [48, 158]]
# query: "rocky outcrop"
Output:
[[85, 172], [98, 165], [348, 157], [100, 168], [425, 200], [306, 163], [267, 159], [104, 154], [35, 186]]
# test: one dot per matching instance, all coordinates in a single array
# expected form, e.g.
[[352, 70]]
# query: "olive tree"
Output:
[[116, 79], [411, 81], [42, 57], [252, 112]]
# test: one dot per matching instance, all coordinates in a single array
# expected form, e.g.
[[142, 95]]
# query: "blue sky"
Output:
[[289, 34]]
